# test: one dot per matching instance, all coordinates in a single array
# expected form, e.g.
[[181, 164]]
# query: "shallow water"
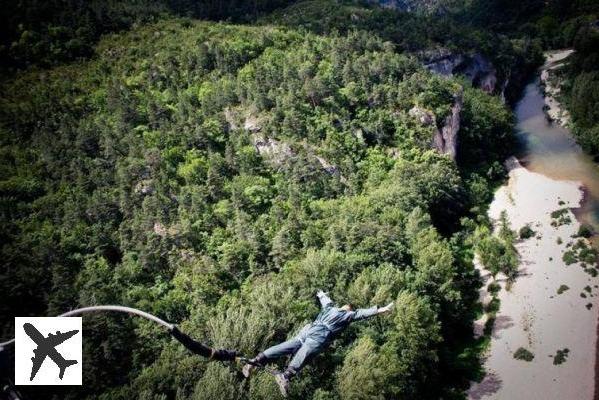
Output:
[[550, 149]]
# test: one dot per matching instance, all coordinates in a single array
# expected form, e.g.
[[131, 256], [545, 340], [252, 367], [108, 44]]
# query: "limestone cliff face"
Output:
[[476, 68], [274, 151], [445, 137], [480, 71], [441, 61]]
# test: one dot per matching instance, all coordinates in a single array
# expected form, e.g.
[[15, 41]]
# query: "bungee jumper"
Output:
[[312, 339]]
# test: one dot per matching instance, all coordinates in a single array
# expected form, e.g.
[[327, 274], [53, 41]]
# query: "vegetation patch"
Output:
[[498, 253], [562, 289], [493, 288], [561, 356], [569, 257], [560, 217], [526, 232], [585, 231], [580, 252], [523, 354]]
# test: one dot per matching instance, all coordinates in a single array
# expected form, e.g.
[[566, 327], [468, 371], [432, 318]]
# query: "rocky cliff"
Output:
[[274, 151], [445, 137], [476, 68]]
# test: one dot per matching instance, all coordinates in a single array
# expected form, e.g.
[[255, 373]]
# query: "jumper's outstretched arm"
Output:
[[324, 299], [363, 313]]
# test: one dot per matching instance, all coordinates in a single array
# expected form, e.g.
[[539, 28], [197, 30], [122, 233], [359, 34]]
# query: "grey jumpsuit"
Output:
[[314, 337]]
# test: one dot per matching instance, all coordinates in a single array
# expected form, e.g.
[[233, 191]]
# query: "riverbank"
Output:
[[551, 310], [554, 61], [543, 311]]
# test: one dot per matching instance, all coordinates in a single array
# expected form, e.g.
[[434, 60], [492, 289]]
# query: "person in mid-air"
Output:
[[312, 338]]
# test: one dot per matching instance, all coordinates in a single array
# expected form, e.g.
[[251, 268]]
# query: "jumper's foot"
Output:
[[283, 383]]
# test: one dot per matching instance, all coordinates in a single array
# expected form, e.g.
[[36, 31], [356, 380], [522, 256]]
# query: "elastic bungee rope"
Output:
[[191, 344], [124, 309]]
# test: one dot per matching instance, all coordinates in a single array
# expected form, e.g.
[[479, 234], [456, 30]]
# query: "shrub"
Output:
[[561, 356], [562, 289], [523, 354], [588, 255], [526, 232], [493, 288], [559, 213], [493, 305], [585, 230], [569, 257]]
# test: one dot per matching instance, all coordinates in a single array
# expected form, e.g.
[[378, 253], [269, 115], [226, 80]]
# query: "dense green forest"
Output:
[[581, 83], [219, 173]]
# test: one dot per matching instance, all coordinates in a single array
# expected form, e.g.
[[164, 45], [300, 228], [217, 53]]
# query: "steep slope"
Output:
[[139, 178], [442, 41]]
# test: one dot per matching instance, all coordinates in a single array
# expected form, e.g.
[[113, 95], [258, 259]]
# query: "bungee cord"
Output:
[[189, 343], [192, 345], [128, 310]]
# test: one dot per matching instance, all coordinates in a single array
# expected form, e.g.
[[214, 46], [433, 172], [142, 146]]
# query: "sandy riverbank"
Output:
[[532, 315], [554, 61]]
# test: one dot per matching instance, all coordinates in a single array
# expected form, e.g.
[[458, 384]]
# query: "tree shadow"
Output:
[[490, 384], [501, 322]]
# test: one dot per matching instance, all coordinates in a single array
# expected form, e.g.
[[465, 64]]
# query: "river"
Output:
[[549, 149], [553, 304]]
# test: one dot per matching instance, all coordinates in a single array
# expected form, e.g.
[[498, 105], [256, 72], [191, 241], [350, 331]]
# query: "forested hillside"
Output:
[[432, 37], [51, 32], [219, 174], [581, 82], [135, 179]]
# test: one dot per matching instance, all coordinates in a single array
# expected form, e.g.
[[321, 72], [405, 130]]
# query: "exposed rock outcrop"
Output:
[[164, 231], [476, 68], [331, 169], [276, 152], [424, 116], [252, 124], [237, 118], [445, 138], [441, 61], [480, 71], [272, 150]]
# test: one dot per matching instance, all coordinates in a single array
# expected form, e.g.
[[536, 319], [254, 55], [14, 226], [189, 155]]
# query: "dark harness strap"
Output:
[[201, 349]]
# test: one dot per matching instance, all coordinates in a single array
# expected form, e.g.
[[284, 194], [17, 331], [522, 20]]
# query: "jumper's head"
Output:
[[348, 307]]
